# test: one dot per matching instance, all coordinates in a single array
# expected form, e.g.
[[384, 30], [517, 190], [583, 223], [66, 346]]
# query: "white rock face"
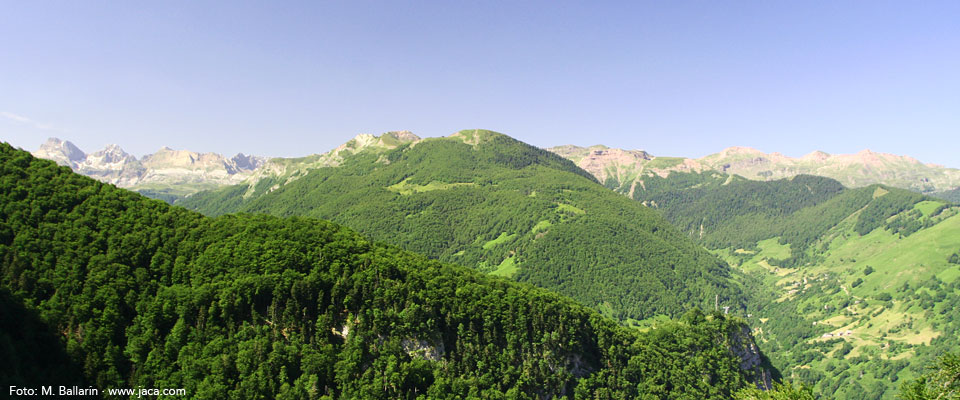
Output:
[[182, 166], [166, 167], [61, 151], [112, 165]]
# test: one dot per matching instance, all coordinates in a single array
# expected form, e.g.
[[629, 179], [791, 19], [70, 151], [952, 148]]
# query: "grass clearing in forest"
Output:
[[927, 207], [759, 261], [503, 238], [507, 268], [568, 208], [772, 249], [405, 189], [541, 226]]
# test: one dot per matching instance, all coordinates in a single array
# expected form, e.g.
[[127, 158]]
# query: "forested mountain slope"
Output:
[[864, 281], [122, 291], [484, 200]]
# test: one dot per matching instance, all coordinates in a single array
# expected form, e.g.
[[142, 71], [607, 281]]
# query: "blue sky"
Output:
[[671, 77]]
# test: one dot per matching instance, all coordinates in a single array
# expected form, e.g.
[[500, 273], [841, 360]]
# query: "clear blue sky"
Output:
[[671, 77]]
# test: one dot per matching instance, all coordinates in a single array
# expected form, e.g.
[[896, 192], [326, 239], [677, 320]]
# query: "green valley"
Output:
[[862, 290]]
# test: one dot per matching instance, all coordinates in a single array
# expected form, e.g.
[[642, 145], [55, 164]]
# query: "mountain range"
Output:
[[862, 283], [849, 281], [173, 174], [166, 172], [623, 170]]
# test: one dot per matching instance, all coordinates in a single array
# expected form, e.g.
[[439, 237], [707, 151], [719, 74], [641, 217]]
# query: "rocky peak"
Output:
[[735, 150], [870, 158], [576, 153], [403, 136], [169, 158], [61, 151], [111, 154], [364, 141], [111, 158], [244, 162], [817, 155]]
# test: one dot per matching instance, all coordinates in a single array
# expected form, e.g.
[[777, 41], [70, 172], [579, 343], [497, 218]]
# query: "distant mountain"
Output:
[[166, 173], [624, 169], [866, 281], [102, 288], [484, 200], [61, 151]]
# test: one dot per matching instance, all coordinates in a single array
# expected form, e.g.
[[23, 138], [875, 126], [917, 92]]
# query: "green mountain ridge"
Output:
[[142, 294], [487, 201], [863, 282]]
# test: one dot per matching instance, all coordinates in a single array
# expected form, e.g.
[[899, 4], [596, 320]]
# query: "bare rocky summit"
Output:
[[61, 151]]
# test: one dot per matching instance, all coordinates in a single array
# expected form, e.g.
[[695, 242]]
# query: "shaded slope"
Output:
[[30, 349], [144, 294], [487, 201]]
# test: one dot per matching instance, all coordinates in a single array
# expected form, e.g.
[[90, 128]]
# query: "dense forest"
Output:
[[484, 200], [103, 287], [860, 286]]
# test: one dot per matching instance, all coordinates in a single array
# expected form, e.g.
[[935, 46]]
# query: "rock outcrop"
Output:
[[754, 363]]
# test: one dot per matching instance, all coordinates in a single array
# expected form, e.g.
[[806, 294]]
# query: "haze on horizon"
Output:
[[675, 79]]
